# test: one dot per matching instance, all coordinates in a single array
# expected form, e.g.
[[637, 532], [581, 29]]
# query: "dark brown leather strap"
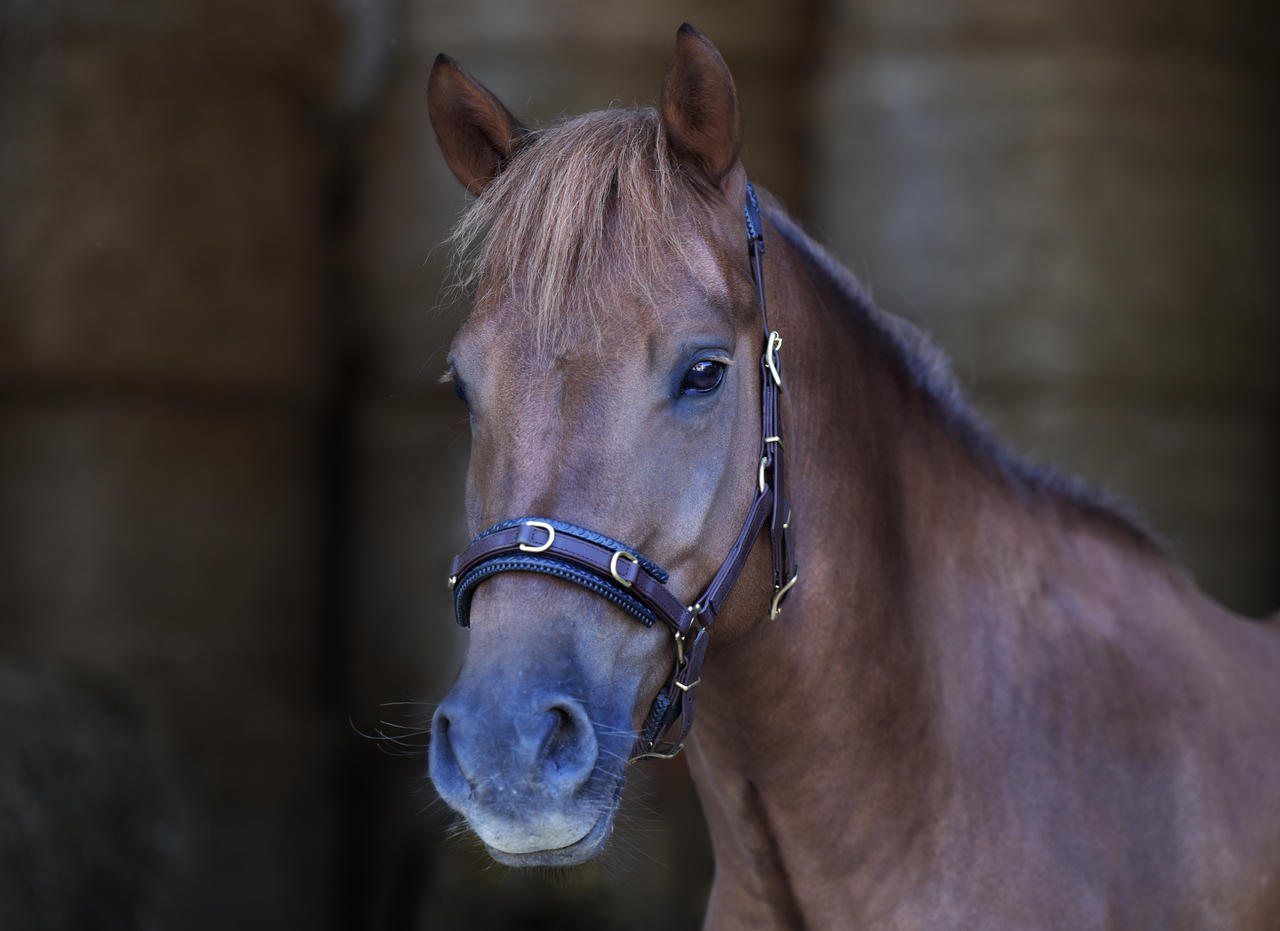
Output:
[[612, 561]]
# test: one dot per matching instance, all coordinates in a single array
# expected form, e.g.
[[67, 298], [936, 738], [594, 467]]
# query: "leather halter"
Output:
[[638, 586]]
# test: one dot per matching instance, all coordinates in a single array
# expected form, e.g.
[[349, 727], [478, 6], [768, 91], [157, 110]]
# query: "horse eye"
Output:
[[703, 377]]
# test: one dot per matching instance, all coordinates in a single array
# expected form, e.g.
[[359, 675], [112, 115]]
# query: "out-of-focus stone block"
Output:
[[1079, 202], [409, 521], [1204, 477], [174, 549], [89, 832], [1134, 23], [158, 534], [163, 188], [1063, 217]]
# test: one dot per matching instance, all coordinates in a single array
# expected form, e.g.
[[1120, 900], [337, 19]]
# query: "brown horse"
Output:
[[991, 700]]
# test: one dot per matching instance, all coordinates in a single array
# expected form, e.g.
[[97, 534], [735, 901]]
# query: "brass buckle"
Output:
[[658, 754], [613, 566], [775, 344], [684, 688], [775, 609], [543, 547]]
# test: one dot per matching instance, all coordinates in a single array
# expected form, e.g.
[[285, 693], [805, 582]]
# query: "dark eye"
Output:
[[703, 377]]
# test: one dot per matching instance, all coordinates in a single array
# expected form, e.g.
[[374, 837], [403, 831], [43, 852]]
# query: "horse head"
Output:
[[611, 368]]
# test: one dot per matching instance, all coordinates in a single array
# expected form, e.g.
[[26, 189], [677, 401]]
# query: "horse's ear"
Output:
[[477, 134], [700, 109]]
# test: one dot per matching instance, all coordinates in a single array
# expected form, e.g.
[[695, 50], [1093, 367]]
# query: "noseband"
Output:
[[629, 581]]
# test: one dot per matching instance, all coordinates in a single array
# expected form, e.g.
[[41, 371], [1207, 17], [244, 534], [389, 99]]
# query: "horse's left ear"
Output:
[[700, 110], [477, 134]]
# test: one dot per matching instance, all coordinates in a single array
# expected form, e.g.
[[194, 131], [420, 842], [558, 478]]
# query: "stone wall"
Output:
[[166, 367], [1079, 201]]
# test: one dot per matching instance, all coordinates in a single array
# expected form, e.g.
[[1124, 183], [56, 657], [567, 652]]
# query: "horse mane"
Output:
[[928, 369], [599, 198]]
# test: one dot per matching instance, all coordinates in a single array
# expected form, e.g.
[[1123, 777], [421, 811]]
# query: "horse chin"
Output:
[[584, 849], [580, 851]]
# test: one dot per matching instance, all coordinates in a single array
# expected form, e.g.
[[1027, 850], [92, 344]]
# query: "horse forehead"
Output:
[[610, 324]]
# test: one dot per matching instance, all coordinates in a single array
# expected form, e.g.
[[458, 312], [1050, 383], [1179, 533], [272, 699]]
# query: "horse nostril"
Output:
[[560, 735], [475, 751], [569, 750], [444, 763]]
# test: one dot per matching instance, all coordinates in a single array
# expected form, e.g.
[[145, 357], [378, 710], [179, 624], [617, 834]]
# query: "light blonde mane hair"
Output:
[[589, 212]]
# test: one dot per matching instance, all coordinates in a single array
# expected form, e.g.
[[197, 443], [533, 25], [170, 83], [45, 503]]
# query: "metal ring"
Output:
[[613, 566], [775, 344], [657, 754], [764, 461], [541, 548], [775, 609]]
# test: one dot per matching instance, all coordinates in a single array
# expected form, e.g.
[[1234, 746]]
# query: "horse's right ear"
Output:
[[477, 134], [700, 110]]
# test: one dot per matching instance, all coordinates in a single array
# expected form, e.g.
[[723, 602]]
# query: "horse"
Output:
[[967, 692]]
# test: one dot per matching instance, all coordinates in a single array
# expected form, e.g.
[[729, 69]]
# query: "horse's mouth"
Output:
[[580, 851]]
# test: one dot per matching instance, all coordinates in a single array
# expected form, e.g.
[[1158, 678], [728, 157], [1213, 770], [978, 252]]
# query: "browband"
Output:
[[637, 585]]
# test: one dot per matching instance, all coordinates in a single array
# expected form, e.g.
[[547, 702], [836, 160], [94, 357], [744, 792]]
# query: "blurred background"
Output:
[[230, 482]]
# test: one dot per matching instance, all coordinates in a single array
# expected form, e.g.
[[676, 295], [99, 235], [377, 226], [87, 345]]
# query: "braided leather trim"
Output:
[[661, 714], [751, 210], [465, 587]]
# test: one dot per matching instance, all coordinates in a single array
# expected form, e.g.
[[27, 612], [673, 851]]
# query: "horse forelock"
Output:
[[591, 214]]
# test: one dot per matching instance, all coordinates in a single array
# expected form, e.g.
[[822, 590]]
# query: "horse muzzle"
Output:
[[527, 772]]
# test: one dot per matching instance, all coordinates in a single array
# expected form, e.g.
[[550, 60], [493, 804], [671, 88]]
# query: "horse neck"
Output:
[[827, 726]]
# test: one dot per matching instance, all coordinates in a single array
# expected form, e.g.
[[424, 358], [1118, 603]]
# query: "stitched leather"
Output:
[[465, 587], [598, 538], [572, 546]]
